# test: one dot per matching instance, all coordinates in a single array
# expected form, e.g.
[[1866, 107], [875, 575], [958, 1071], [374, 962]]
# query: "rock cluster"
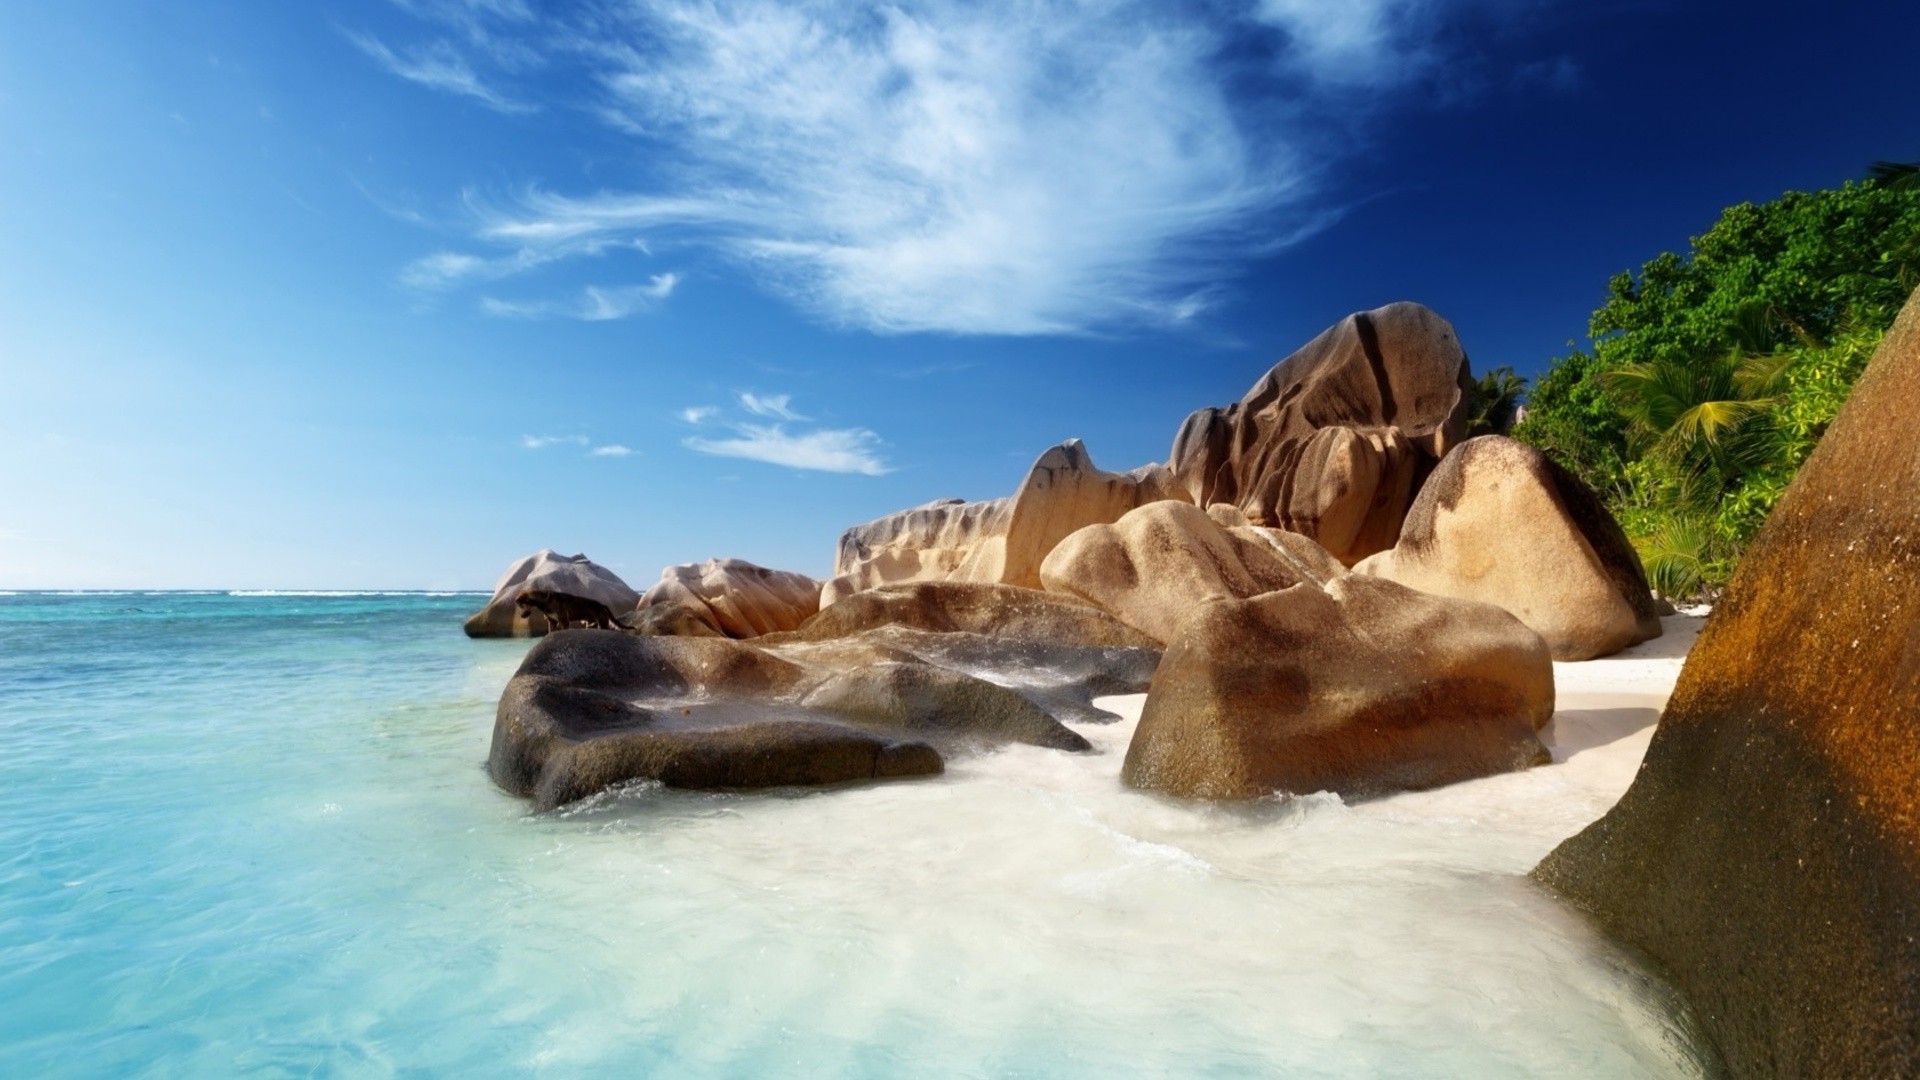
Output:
[[957, 624], [881, 695], [1768, 853], [1001, 542]]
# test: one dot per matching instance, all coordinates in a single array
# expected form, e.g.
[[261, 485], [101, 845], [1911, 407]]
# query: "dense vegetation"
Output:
[[1713, 374]]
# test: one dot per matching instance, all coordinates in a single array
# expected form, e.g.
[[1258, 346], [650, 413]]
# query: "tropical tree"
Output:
[[1713, 373], [1494, 402]]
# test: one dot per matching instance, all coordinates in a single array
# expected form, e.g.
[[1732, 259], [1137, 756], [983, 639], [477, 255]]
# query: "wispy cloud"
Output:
[[439, 66], [612, 450], [773, 405], [594, 304], [850, 450], [541, 442], [958, 166], [840, 450]]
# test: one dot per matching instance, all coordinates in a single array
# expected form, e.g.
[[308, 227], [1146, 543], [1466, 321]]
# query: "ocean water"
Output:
[[251, 835]]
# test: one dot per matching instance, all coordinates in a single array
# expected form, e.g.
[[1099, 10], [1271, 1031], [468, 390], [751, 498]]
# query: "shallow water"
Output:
[[251, 834]]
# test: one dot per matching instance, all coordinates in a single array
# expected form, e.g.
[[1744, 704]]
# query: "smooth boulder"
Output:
[[1335, 440], [1501, 523], [1362, 687], [1154, 566], [574, 575], [1767, 855], [729, 598]]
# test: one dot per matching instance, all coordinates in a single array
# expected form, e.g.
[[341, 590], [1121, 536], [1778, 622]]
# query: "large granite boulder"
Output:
[[1768, 852], [1151, 568], [729, 598], [1001, 542], [926, 543], [1335, 440], [574, 575], [1499, 522], [1362, 687], [591, 709]]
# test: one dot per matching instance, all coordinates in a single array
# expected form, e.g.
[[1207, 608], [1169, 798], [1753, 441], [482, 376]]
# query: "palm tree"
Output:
[[1898, 175], [1494, 403]]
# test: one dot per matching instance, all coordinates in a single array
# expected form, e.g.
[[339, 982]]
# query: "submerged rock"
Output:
[[1768, 853], [1362, 687], [1152, 567], [1499, 522], [570, 575], [1335, 440], [729, 598], [590, 709]]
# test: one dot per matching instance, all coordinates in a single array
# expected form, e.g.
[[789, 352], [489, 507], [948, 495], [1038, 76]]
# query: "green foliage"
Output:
[[1494, 401], [1714, 374]]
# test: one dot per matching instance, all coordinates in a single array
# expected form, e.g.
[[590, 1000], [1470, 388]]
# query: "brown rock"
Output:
[[570, 575], [995, 543], [926, 543], [726, 598], [1361, 688], [590, 709], [1768, 852], [1153, 567], [1055, 652], [1500, 523], [1336, 439], [1002, 611]]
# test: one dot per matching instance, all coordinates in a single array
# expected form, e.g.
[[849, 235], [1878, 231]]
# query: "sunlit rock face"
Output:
[[1500, 523], [1361, 687], [1334, 441], [1768, 852], [573, 575], [729, 598], [1001, 542], [1155, 565]]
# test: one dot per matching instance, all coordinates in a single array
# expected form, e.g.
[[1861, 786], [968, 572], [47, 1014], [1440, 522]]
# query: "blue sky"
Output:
[[386, 293]]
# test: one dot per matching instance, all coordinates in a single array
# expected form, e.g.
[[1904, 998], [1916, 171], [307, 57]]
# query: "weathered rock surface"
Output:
[[1153, 567], [1768, 852], [1056, 652], [574, 575], [726, 598], [1003, 611], [1499, 522], [590, 709], [1362, 687], [1336, 439], [926, 543], [1001, 542]]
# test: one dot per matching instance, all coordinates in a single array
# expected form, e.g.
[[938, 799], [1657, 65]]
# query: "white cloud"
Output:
[[541, 442], [594, 304], [439, 66], [612, 450], [959, 166], [850, 450], [773, 405], [698, 414]]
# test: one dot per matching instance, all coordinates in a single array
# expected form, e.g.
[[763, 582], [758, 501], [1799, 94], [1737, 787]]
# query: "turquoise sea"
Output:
[[250, 835]]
